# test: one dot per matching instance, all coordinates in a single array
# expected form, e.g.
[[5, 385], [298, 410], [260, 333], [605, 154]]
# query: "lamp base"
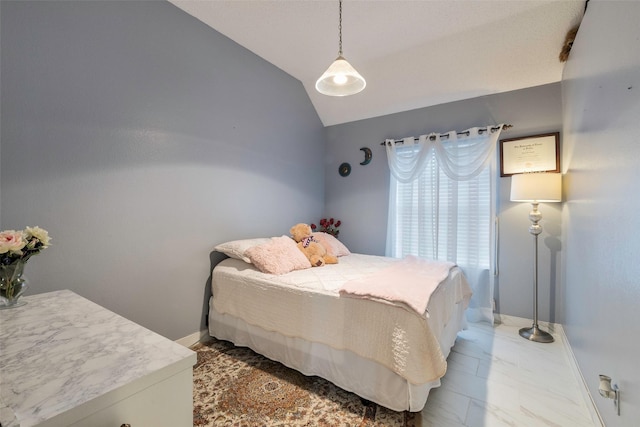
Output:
[[536, 334]]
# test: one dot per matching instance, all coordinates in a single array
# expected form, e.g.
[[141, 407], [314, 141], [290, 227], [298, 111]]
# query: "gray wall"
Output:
[[141, 138], [361, 199], [601, 96]]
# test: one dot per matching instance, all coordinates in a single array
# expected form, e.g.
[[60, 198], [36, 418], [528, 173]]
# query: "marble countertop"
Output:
[[61, 350]]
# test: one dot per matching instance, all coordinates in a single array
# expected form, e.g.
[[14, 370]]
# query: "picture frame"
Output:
[[536, 153]]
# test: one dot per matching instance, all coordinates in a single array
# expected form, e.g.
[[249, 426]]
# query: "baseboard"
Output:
[[508, 319], [586, 394], [557, 328], [193, 338]]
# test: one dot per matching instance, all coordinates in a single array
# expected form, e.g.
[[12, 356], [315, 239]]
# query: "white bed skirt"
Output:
[[343, 368]]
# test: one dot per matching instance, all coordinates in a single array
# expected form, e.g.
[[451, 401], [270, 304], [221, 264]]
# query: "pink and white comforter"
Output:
[[411, 282], [307, 304]]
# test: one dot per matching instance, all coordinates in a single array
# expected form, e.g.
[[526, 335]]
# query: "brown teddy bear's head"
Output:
[[300, 231]]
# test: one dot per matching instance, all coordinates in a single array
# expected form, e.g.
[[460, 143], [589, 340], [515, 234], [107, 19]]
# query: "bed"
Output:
[[381, 349]]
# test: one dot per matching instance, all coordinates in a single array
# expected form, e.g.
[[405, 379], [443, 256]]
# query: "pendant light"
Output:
[[340, 79]]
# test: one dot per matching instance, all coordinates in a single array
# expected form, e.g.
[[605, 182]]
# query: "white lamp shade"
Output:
[[536, 187], [340, 79]]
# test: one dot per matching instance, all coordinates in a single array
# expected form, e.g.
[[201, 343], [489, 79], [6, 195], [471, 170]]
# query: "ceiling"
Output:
[[412, 54]]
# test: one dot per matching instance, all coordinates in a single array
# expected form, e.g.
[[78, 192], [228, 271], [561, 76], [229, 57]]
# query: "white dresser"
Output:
[[66, 361]]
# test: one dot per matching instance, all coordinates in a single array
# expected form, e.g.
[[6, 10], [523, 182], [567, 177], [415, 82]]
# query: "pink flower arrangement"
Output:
[[16, 247], [329, 226], [19, 246]]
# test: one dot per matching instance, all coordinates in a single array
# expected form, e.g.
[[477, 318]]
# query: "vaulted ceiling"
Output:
[[412, 54]]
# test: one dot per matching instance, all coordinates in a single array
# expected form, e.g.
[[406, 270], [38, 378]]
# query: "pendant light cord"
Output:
[[340, 29]]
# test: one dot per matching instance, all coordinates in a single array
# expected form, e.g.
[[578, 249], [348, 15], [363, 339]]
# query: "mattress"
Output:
[[300, 320]]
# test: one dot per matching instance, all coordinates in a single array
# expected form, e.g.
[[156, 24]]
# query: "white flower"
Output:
[[39, 233]]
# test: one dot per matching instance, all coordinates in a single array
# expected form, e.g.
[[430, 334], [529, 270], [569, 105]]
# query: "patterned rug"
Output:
[[233, 386]]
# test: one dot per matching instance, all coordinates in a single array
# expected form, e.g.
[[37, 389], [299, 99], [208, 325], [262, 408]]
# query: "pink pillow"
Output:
[[280, 255], [333, 245]]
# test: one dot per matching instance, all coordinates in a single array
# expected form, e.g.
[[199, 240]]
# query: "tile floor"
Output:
[[496, 378]]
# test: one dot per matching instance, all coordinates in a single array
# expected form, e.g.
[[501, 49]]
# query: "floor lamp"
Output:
[[534, 188]]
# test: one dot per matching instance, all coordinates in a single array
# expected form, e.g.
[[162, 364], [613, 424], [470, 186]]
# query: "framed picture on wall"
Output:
[[537, 153]]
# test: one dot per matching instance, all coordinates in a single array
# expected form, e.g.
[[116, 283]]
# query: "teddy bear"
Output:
[[311, 248]]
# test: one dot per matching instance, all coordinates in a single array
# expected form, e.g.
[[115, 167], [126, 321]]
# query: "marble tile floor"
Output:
[[496, 378]]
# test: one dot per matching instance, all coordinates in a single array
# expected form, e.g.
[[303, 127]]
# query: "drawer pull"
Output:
[[125, 425]]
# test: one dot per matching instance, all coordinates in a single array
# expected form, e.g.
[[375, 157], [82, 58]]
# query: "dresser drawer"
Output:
[[167, 403]]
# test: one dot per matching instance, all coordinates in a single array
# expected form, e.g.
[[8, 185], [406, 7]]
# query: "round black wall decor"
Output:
[[344, 169]]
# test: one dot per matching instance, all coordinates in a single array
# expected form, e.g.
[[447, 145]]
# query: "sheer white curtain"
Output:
[[441, 205]]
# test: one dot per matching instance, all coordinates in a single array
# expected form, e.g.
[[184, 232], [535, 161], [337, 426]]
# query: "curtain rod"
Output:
[[446, 135]]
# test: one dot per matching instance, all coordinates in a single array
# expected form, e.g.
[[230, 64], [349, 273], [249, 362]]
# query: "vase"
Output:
[[12, 285]]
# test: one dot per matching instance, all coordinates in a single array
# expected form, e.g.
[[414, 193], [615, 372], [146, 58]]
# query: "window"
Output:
[[439, 218], [441, 205]]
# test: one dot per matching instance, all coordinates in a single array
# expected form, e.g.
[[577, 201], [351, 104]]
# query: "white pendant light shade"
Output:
[[340, 79]]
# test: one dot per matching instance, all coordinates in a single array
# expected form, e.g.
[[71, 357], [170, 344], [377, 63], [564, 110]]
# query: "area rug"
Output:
[[233, 386]]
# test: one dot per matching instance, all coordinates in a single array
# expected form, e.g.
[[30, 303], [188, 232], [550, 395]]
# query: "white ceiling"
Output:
[[413, 54]]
